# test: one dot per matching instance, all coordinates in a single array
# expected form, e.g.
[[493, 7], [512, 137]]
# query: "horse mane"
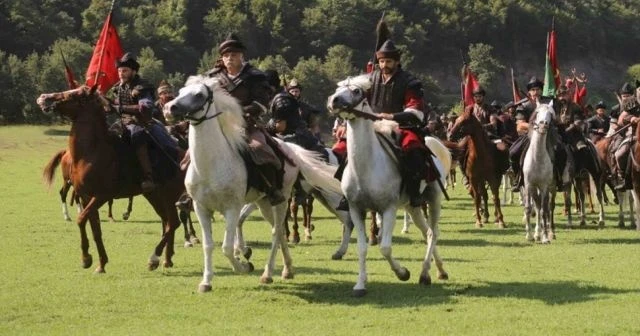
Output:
[[231, 120], [362, 81]]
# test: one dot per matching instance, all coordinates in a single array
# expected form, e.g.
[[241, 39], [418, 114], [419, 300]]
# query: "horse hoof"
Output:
[[204, 288], [111, 220], [621, 224], [405, 231], [425, 280], [478, 225], [167, 264], [501, 225], [68, 219], [601, 224], [312, 228], [125, 216], [337, 256], [247, 253], [153, 265], [583, 223], [443, 276], [296, 239], [86, 262], [373, 241], [188, 244], [359, 292], [266, 280], [195, 240], [99, 270], [250, 267], [403, 274], [287, 275]]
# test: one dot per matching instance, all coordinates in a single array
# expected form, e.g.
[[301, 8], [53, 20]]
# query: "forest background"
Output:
[[320, 42]]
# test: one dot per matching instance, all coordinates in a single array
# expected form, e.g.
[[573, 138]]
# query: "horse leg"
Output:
[[495, 192], [358, 217], [544, 216], [204, 217], [275, 216], [307, 210], [373, 229], [589, 194], [166, 209], [386, 233], [485, 204], [110, 214], [293, 208], [90, 212], [63, 197], [526, 218], [599, 198], [406, 222], [184, 218], [567, 203], [535, 198], [621, 200], [125, 216], [192, 231], [476, 200]]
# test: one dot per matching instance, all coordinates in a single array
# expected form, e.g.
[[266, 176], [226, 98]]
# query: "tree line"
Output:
[[319, 42]]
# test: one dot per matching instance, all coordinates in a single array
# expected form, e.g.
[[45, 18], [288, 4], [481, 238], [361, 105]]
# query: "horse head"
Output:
[[69, 103], [464, 125], [350, 99], [544, 116]]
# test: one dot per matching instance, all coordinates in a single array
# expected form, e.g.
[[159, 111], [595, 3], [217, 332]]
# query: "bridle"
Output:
[[207, 102]]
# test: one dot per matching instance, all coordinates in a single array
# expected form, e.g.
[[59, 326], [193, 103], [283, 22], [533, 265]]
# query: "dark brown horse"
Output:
[[100, 172], [484, 163]]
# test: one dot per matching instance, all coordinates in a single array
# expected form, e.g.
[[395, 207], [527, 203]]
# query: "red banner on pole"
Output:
[[470, 84], [102, 67]]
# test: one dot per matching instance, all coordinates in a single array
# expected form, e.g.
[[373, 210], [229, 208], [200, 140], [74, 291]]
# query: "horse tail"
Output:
[[315, 170], [440, 151], [49, 170]]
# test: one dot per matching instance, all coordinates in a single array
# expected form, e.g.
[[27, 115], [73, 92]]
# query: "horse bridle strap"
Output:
[[208, 102], [362, 114]]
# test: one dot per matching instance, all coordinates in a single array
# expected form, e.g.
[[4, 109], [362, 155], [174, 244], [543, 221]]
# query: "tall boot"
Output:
[[147, 184], [344, 204], [413, 190], [269, 176], [620, 181]]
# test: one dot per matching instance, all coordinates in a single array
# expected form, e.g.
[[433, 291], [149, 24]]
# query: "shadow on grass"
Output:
[[614, 241], [549, 292], [411, 294], [479, 243], [56, 132]]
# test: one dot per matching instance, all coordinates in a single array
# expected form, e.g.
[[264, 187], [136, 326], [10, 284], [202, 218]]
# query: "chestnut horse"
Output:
[[485, 163], [65, 168], [104, 168]]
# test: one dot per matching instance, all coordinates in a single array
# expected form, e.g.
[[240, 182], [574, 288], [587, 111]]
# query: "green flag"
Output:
[[551, 72]]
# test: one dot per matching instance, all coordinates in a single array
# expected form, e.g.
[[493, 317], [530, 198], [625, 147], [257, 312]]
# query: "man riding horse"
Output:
[[134, 102], [397, 95], [566, 130], [629, 117], [250, 87]]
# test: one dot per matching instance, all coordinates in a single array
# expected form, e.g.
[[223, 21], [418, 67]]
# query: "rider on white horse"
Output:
[[250, 87], [397, 95]]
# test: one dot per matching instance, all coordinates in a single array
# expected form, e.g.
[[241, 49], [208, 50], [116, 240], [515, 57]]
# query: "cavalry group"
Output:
[[251, 141]]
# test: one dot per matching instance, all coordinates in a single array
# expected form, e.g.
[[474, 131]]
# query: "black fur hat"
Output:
[[388, 50], [601, 104], [231, 44], [627, 89], [534, 82], [128, 61]]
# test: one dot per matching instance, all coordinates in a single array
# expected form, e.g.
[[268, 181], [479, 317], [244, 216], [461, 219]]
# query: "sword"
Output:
[[618, 131]]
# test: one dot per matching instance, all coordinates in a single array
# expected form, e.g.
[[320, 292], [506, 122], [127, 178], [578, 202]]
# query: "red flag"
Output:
[[68, 74], [102, 69], [579, 94], [470, 83], [515, 90], [553, 59]]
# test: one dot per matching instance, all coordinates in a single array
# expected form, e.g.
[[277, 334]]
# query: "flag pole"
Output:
[[107, 24], [67, 71]]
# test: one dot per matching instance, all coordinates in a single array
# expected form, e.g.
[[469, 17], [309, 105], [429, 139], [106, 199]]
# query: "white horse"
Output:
[[539, 184], [217, 179], [372, 181]]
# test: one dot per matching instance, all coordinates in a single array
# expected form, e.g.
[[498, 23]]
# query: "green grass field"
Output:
[[585, 282]]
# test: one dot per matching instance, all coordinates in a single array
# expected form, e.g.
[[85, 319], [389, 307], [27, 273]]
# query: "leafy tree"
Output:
[[151, 68], [633, 72], [484, 64]]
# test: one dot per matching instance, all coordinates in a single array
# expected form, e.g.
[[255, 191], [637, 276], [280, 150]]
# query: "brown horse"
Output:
[[484, 163], [100, 173], [65, 169]]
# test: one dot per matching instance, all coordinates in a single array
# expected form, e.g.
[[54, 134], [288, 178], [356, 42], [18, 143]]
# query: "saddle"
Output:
[[392, 144]]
